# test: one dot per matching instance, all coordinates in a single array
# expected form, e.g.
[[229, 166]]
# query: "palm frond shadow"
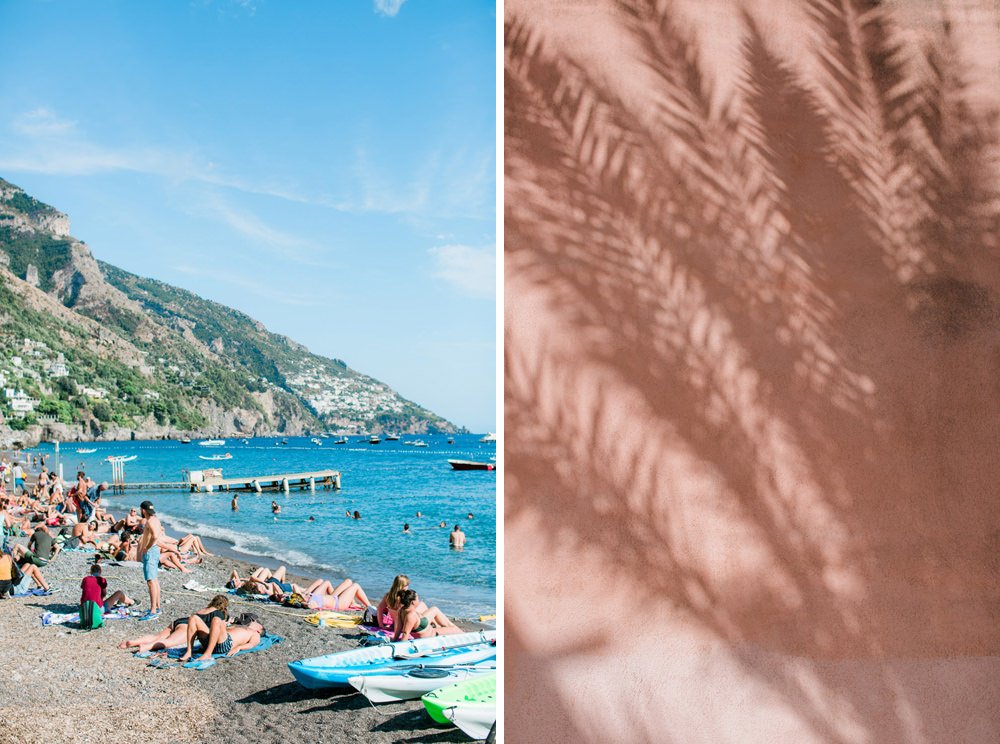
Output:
[[761, 280]]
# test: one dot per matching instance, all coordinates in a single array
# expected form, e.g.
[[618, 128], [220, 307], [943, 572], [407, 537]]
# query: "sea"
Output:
[[388, 483]]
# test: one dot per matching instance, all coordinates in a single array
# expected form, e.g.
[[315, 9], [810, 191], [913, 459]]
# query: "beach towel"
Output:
[[61, 618], [35, 592], [331, 619], [169, 659]]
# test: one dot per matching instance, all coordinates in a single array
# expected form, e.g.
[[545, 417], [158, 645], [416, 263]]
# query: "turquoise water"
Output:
[[388, 483]]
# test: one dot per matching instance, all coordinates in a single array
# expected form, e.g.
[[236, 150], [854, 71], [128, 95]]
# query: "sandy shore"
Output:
[[63, 684]]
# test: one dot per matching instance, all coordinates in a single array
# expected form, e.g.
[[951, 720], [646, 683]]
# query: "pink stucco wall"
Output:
[[752, 372]]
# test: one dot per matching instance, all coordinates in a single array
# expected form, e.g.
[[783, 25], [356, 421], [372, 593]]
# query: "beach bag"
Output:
[[16, 574], [296, 600], [91, 615], [370, 617]]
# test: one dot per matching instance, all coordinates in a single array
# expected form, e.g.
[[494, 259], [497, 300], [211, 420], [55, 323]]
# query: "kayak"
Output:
[[391, 688], [334, 670], [471, 705]]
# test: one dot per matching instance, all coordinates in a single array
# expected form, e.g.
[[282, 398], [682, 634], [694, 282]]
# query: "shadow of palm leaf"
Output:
[[756, 283]]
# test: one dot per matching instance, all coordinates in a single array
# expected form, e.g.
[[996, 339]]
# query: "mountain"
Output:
[[88, 350]]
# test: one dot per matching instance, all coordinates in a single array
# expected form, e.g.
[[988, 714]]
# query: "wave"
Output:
[[251, 544]]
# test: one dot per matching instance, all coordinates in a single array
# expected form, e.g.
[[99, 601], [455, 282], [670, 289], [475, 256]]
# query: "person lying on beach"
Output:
[[212, 631], [412, 624], [94, 587], [261, 581], [173, 636], [170, 559], [322, 595], [192, 544]]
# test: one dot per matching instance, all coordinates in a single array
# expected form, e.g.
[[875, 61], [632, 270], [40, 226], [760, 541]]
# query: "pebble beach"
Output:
[[63, 684]]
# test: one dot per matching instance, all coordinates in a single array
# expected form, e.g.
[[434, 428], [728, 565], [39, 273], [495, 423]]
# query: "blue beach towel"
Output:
[[266, 641], [34, 592]]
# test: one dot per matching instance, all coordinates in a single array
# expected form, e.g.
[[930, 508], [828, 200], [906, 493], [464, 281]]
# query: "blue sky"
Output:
[[328, 168]]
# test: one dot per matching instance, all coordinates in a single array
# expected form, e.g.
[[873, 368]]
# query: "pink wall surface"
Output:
[[752, 371]]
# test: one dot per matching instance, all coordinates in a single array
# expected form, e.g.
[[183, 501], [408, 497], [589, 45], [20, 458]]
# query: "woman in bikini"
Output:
[[322, 595], [411, 624], [388, 608]]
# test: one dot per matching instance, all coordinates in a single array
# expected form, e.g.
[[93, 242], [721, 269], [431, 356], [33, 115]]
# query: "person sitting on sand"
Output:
[[93, 588], [42, 548], [175, 634], [411, 624], [29, 569], [6, 574], [212, 631], [130, 523]]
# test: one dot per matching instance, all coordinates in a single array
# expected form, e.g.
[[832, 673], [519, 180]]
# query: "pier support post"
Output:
[[256, 485], [336, 481], [312, 485], [284, 485]]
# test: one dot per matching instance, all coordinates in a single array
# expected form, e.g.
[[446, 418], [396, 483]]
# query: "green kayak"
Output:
[[472, 696]]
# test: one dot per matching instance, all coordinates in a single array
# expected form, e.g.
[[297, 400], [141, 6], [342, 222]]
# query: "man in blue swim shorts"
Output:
[[149, 554]]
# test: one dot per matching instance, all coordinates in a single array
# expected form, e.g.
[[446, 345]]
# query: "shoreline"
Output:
[[249, 698]]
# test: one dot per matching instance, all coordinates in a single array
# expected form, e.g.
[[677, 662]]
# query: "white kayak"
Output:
[[391, 688], [475, 720]]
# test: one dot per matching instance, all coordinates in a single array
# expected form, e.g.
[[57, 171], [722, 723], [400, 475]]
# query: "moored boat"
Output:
[[392, 437], [86, 451], [212, 442], [122, 458], [226, 456], [373, 439], [491, 437], [471, 465], [342, 440], [390, 688]]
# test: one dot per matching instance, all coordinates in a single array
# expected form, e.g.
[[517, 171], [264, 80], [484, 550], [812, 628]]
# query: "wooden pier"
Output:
[[209, 481], [285, 482]]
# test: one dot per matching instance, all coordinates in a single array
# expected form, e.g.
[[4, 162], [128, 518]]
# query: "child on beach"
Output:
[[93, 605]]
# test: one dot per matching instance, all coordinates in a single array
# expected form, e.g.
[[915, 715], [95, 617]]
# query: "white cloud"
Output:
[[472, 270], [42, 122], [388, 7]]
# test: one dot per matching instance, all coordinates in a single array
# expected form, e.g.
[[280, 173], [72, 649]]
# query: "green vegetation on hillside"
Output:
[[48, 254]]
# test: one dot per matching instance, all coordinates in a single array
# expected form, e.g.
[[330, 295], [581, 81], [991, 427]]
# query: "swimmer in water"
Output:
[[235, 504], [275, 507], [357, 514], [469, 516], [311, 518], [419, 515], [406, 528]]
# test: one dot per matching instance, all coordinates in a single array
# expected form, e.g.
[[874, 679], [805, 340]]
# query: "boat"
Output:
[[373, 439], [451, 440], [390, 688], [471, 465], [334, 670], [86, 451], [226, 456], [122, 458], [212, 442], [245, 441], [185, 440], [316, 441], [471, 705], [342, 440], [392, 437], [491, 437]]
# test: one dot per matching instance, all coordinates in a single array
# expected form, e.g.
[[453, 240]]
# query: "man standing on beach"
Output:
[[149, 554], [457, 538]]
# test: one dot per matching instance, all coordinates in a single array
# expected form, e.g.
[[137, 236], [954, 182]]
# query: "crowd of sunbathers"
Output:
[[54, 518]]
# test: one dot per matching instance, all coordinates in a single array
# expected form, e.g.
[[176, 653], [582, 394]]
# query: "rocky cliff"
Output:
[[88, 350]]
